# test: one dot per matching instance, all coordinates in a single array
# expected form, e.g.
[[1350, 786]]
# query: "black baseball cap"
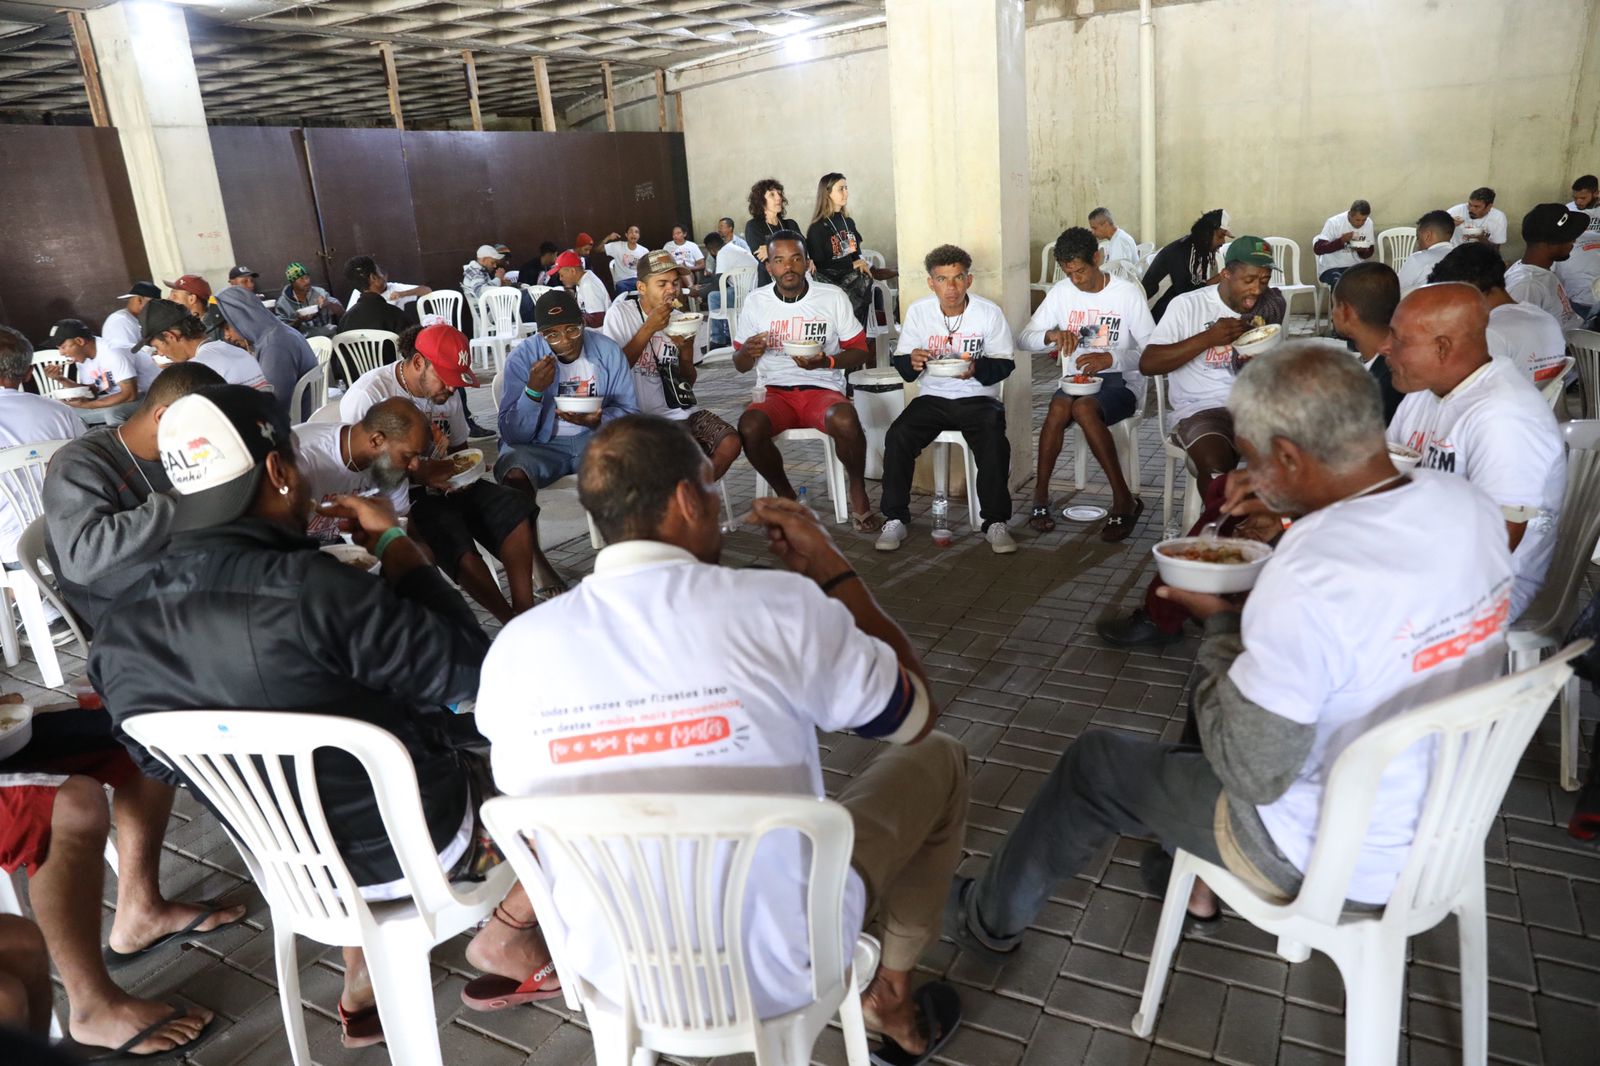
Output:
[[214, 445], [159, 316], [70, 328], [1553, 224], [557, 308], [147, 289], [242, 272]]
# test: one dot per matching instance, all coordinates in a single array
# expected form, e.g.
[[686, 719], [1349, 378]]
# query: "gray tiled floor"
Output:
[[1010, 645]]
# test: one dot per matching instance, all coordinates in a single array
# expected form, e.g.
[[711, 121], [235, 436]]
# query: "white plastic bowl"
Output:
[[1359, 242], [801, 349], [1081, 388], [308, 312], [684, 325], [1260, 340], [945, 368], [1403, 458], [472, 473], [1471, 230], [1215, 578], [353, 555], [15, 737], [74, 392], [579, 405]]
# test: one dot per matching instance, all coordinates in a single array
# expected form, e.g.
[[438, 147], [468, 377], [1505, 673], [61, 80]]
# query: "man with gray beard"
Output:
[[373, 455]]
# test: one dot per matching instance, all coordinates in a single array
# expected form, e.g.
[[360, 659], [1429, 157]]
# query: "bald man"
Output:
[[1478, 417]]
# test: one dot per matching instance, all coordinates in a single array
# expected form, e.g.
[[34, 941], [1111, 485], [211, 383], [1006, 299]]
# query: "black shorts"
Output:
[[483, 513]]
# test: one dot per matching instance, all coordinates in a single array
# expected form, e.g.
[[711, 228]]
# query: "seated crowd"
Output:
[[184, 514]]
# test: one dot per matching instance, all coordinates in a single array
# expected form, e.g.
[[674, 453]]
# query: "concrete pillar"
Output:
[[958, 128], [153, 96]]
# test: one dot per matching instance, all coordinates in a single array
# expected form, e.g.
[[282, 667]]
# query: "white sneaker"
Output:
[[999, 538], [892, 535]]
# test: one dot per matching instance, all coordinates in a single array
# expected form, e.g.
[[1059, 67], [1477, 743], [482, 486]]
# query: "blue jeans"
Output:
[[719, 328], [626, 285], [545, 463]]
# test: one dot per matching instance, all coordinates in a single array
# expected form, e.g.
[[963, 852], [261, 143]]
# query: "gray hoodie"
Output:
[[283, 354]]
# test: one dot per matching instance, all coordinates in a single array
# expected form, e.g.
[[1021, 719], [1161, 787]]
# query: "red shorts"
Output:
[[790, 409], [28, 800]]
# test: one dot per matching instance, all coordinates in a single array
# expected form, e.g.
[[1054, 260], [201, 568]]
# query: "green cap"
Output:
[[1251, 251]]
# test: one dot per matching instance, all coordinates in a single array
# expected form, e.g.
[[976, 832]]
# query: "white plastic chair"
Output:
[[1583, 345], [328, 412], [1125, 435], [832, 467], [941, 467], [1175, 455], [1286, 274], [732, 288], [1556, 385], [1478, 736], [1049, 269], [499, 326], [236, 759], [446, 303], [35, 560], [685, 996], [361, 350], [1547, 618], [1144, 250], [313, 384], [22, 468], [48, 357], [620, 273], [1396, 245]]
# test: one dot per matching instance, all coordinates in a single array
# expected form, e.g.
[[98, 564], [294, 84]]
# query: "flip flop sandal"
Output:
[[1118, 526], [549, 592], [865, 522], [938, 1017], [493, 992], [125, 1053], [360, 1028], [115, 958], [1039, 519]]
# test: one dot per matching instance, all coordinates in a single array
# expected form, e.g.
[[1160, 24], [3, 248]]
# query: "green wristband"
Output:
[[532, 394], [386, 538]]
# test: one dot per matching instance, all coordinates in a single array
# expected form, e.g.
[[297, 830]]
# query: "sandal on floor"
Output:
[[114, 958], [360, 1028], [548, 592], [1118, 526], [1039, 519], [938, 1016], [125, 1053], [493, 992], [865, 521]]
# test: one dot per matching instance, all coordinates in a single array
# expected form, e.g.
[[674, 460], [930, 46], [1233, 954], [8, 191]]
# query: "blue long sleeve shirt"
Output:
[[524, 420]]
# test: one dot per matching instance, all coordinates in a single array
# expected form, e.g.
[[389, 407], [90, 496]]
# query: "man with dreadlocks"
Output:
[[1188, 262]]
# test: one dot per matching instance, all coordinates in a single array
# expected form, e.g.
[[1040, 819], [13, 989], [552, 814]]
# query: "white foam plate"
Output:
[[1084, 512]]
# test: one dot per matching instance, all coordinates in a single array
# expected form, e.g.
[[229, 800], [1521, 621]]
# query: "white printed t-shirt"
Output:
[[686, 254], [573, 379], [1120, 245], [237, 366], [1419, 264], [623, 320], [383, 383], [1535, 285], [1579, 271], [1116, 319], [1493, 223], [979, 331], [26, 418], [735, 711], [1530, 337], [1495, 430], [823, 313], [1337, 227], [108, 368], [1407, 592], [318, 449], [1204, 382], [628, 257], [590, 293]]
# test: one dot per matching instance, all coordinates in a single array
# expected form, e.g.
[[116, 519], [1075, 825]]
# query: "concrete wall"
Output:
[[1258, 110]]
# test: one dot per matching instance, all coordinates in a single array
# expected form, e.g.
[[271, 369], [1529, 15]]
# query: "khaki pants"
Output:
[[910, 812]]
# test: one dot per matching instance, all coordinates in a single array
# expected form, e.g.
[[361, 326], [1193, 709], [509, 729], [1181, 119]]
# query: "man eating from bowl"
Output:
[[1479, 220], [663, 363], [1193, 345], [1346, 239], [451, 517], [542, 434], [374, 456], [1403, 616], [1097, 325], [804, 391]]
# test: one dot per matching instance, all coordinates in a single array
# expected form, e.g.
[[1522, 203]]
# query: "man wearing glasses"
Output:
[[539, 441]]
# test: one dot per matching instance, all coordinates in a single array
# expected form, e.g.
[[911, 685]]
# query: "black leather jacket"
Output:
[[250, 616]]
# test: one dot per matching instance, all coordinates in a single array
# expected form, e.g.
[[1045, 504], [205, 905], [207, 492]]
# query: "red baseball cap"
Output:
[[568, 259], [446, 348], [583, 238], [193, 284]]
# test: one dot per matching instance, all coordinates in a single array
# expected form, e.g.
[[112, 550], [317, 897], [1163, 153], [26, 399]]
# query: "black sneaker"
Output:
[[477, 432], [1134, 631]]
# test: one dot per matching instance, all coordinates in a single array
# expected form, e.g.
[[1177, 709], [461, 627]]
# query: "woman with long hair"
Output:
[[767, 206], [834, 244], [1188, 262]]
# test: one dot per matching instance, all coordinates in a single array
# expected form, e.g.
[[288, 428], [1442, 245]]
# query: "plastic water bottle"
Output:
[[802, 499], [941, 519]]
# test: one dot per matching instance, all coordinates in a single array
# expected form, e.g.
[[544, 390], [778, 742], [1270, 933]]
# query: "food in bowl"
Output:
[[1081, 384], [308, 312], [16, 727], [464, 461], [1472, 230], [467, 467], [1404, 458], [579, 405], [946, 368], [802, 349], [1217, 565], [352, 555], [1359, 241], [1259, 340], [685, 325]]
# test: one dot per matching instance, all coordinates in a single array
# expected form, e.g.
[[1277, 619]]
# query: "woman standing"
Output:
[[1190, 262], [834, 245], [767, 204]]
